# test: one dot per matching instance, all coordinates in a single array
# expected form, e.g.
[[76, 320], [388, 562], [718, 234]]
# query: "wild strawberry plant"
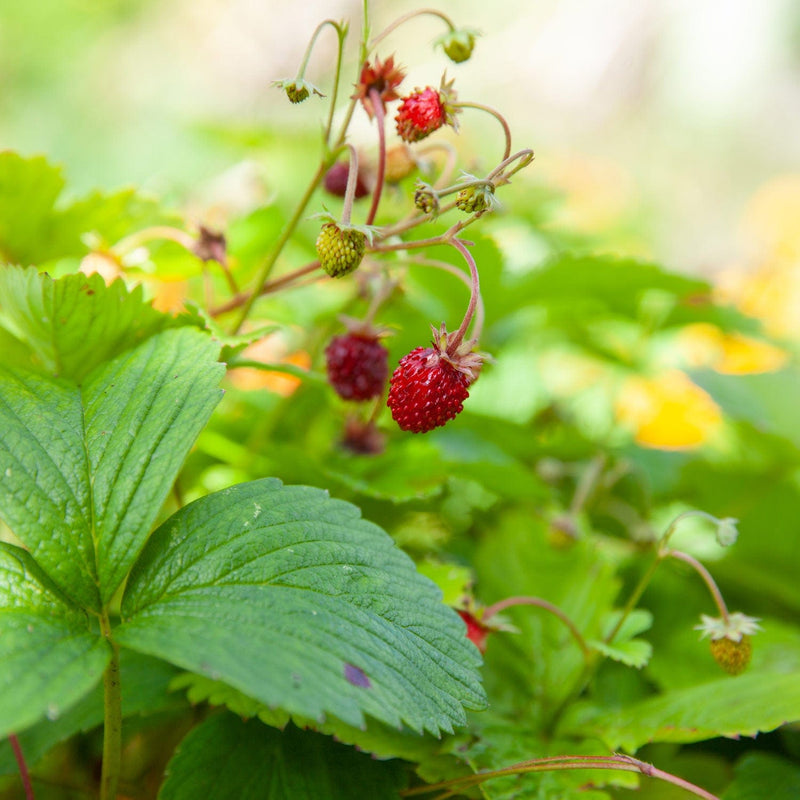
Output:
[[181, 613]]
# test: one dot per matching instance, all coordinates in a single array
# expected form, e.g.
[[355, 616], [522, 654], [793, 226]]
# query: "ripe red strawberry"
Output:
[[429, 386], [425, 111], [340, 250], [357, 365]]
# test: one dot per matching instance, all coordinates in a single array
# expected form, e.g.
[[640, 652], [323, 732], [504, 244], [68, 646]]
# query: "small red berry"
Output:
[[425, 111], [357, 366], [477, 632], [336, 180], [420, 114]]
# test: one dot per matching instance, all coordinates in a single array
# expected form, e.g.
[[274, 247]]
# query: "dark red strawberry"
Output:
[[357, 365]]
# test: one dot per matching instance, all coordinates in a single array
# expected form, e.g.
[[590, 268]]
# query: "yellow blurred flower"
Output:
[[772, 292], [705, 345], [667, 412]]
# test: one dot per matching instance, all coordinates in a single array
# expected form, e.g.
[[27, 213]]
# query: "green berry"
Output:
[[426, 200], [340, 251], [475, 199]]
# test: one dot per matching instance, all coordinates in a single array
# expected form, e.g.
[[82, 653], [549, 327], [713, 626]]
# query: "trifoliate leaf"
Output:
[[296, 601]]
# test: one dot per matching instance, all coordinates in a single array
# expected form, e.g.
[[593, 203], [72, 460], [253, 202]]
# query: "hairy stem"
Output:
[[498, 116], [454, 341], [350, 188], [509, 602], [405, 18], [112, 719], [380, 117], [22, 766], [617, 761], [707, 578]]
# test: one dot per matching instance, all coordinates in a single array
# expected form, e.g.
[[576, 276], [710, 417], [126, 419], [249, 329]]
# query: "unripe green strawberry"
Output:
[[340, 251], [732, 656], [475, 199], [426, 199], [458, 45]]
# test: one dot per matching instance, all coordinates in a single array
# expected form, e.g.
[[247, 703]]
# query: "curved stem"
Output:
[[445, 238], [380, 116], [523, 156], [454, 341], [617, 761], [480, 311], [498, 116], [350, 188], [112, 719], [22, 766], [707, 578], [405, 18], [451, 159], [341, 32], [307, 55], [660, 555], [509, 602]]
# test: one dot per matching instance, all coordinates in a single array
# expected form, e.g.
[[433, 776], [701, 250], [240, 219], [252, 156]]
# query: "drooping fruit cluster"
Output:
[[425, 111], [340, 250], [357, 366], [430, 385]]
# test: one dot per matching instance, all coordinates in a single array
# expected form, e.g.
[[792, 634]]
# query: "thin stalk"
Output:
[[480, 312], [286, 234], [454, 341], [341, 32], [268, 288], [445, 238], [706, 576], [510, 602], [350, 188], [112, 719], [22, 766], [587, 483], [523, 156], [405, 18], [498, 116], [617, 762], [380, 119], [661, 553]]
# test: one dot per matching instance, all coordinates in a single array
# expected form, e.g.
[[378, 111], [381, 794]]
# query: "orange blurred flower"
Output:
[[705, 345]]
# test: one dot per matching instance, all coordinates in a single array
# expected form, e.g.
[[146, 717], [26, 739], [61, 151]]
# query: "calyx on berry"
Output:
[[430, 384], [730, 639]]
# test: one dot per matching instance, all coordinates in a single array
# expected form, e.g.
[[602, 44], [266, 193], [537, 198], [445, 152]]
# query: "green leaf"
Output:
[[72, 325], [624, 647], [764, 776], [145, 681], [50, 656], [86, 469], [29, 188], [293, 599], [227, 759], [741, 706]]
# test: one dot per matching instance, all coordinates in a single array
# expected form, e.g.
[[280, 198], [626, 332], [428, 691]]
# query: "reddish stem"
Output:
[[510, 602], [454, 341], [706, 576], [380, 117], [23, 767], [350, 189]]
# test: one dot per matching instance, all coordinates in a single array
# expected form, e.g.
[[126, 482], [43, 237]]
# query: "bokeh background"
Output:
[[669, 128]]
